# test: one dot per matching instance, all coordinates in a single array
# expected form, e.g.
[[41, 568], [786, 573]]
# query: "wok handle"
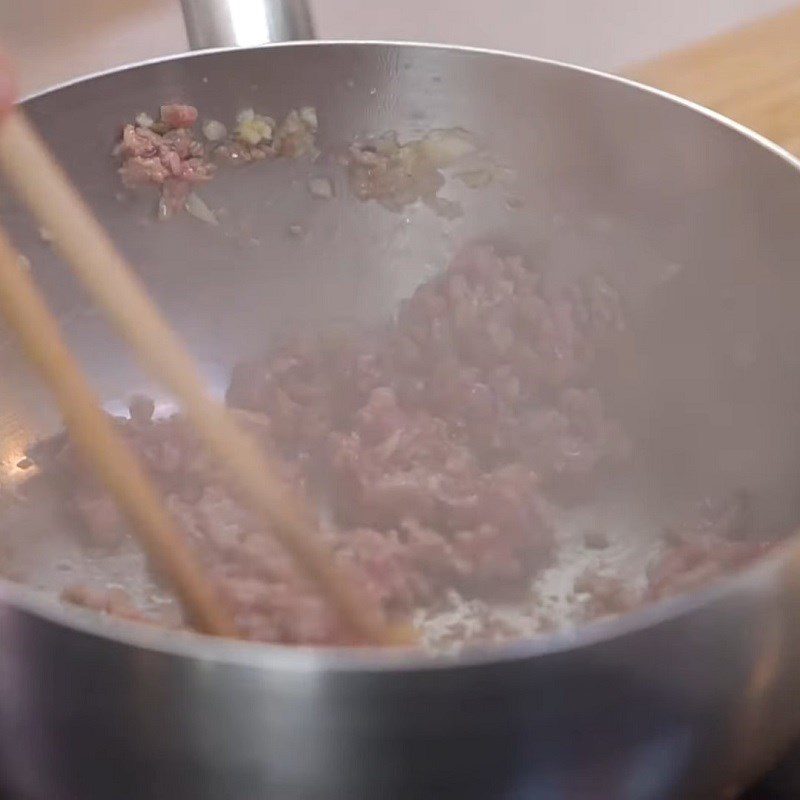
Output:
[[245, 23]]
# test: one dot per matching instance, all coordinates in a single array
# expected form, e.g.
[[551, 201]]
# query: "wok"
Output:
[[692, 215]]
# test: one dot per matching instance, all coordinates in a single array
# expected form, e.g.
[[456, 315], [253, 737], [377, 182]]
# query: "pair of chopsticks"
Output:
[[42, 185]]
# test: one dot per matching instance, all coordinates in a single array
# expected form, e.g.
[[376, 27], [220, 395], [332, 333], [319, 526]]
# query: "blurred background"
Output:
[[55, 40]]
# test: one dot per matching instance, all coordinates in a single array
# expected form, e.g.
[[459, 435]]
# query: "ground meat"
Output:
[[398, 466], [309, 387], [706, 546], [695, 564], [115, 601], [170, 155], [607, 595], [254, 575], [505, 361], [174, 160], [178, 115], [481, 347], [436, 447]]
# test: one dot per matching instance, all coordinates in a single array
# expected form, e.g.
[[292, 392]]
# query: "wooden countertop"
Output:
[[751, 75]]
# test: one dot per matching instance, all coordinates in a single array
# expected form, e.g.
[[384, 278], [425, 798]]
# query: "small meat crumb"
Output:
[[178, 115], [113, 600]]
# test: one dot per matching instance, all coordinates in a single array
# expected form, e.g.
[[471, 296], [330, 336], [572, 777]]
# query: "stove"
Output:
[[783, 783]]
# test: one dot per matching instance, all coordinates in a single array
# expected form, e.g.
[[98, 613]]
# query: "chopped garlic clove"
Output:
[[320, 188], [196, 206], [214, 130]]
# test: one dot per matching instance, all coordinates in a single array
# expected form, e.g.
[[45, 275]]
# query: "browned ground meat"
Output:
[[436, 445]]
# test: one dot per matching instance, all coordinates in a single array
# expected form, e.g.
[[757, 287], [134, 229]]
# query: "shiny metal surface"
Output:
[[694, 218], [245, 23]]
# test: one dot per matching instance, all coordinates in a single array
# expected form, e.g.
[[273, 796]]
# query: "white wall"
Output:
[[605, 34], [86, 35]]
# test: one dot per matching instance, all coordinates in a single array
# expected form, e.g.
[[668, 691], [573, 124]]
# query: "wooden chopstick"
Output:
[[92, 432], [79, 238]]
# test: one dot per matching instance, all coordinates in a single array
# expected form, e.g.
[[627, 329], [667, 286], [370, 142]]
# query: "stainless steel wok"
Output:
[[695, 217]]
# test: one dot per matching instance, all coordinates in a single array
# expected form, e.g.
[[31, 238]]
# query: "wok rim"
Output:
[[260, 655]]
